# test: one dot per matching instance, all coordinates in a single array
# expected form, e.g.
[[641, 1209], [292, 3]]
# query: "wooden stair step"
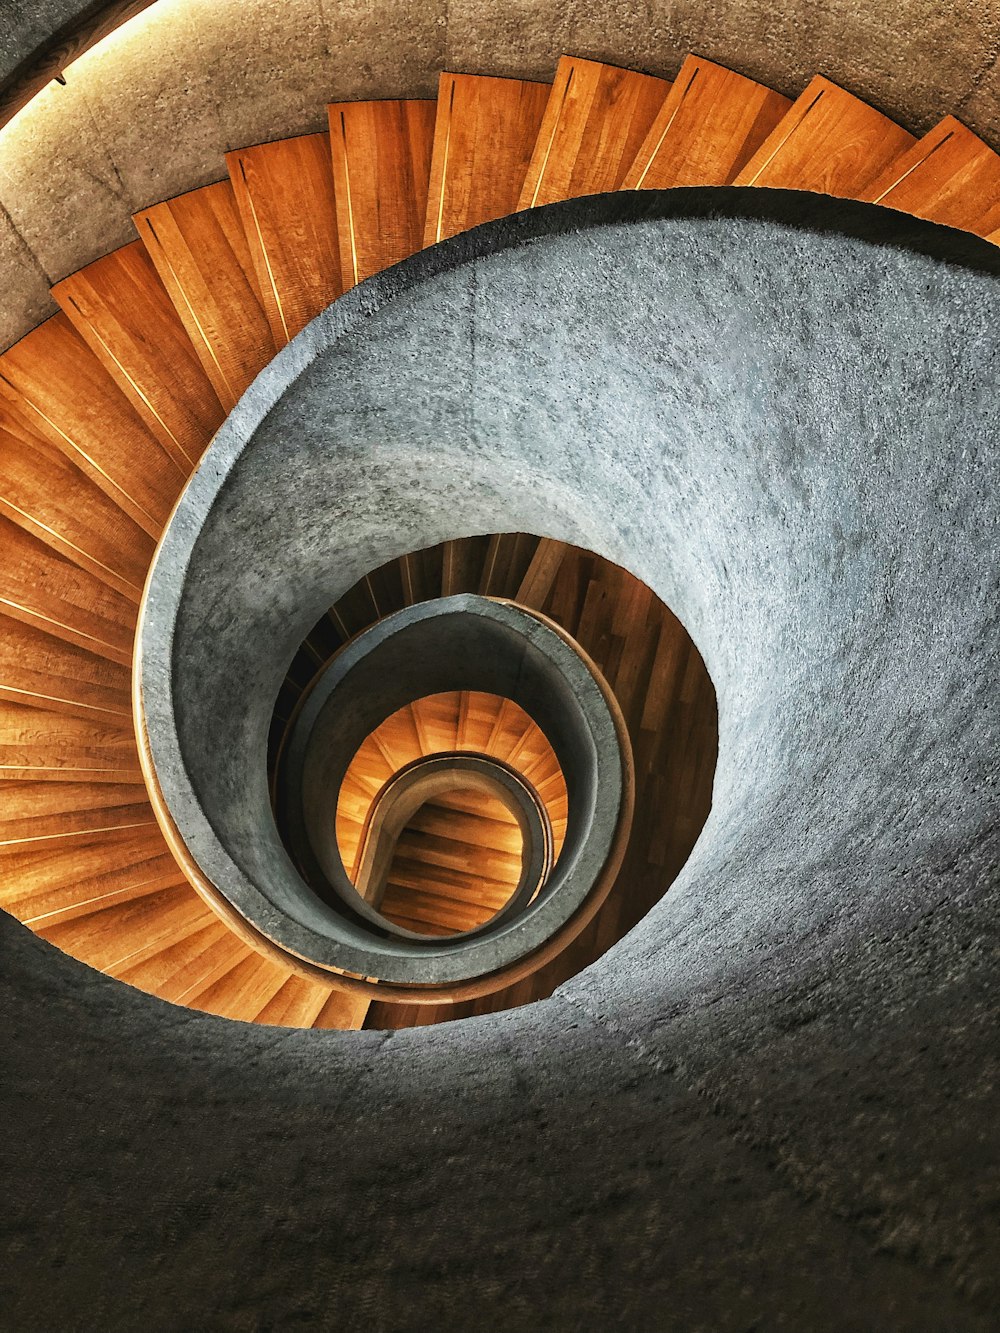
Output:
[[709, 127], [130, 932], [596, 118], [58, 387], [462, 565], [42, 492], [830, 142], [121, 309], [42, 671], [44, 813], [191, 966], [421, 574], [169, 967], [285, 195], [39, 744], [540, 575], [484, 136], [381, 166], [40, 588], [62, 873], [342, 1010], [243, 992], [199, 249], [948, 176], [506, 562], [297, 1004]]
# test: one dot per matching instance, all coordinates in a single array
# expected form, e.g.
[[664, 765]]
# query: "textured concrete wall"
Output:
[[774, 1103], [152, 110]]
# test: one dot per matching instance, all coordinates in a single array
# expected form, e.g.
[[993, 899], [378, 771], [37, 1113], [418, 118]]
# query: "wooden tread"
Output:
[[484, 136], [710, 126], [381, 168], [948, 176], [829, 141], [284, 192], [596, 118]]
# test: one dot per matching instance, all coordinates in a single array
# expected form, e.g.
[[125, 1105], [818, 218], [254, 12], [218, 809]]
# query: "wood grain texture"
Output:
[[40, 588], [284, 191], [53, 501], [45, 745], [197, 244], [710, 125], [66, 880], [42, 671], [596, 118], [830, 142], [484, 135], [120, 308], [948, 176], [381, 167], [57, 386], [130, 932]]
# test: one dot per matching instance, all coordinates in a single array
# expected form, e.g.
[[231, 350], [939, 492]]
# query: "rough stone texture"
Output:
[[188, 79], [774, 1103]]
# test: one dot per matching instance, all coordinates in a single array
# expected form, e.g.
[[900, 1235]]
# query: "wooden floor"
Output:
[[106, 408]]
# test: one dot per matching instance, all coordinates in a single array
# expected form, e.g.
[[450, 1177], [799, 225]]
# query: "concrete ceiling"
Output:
[[151, 110]]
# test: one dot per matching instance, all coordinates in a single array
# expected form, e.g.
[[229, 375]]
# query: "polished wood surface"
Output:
[[948, 176], [54, 383], [121, 309], [42, 492], [596, 118], [484, 136], [284, 192], [199, 248], [42, 589], [706, 131], [829, 141], [381, 167]]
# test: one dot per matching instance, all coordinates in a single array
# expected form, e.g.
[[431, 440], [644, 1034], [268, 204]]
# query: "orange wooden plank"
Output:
[[57, 386], [197, 243], [484, 136], [44, 745], [285, 195], [381, 166], [830, 141], [246, 990], [948, 176], [41, 671], [706, 131], [43, 493], [297, 1004], [130, 932], [44, 813], [40, 588], [121, 309], [596, 119]]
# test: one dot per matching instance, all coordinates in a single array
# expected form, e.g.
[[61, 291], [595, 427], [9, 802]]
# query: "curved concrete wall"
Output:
[[774, 1102], [151, 111]]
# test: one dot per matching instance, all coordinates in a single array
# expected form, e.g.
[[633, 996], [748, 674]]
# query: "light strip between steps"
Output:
[[666, 128]]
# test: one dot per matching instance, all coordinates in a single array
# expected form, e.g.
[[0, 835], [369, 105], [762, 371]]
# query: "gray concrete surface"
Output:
[[151, 111], [773, 1105]]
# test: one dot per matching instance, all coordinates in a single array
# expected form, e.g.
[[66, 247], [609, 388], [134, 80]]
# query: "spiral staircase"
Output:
[[108, 407]]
